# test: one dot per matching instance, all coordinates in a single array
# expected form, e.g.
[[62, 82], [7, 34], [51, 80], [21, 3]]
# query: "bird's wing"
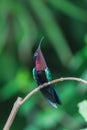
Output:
[[51, 90], [34, 73], [48, 74]]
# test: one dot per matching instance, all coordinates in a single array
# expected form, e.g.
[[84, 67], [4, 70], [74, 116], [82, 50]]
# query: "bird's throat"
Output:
[[40, 63]]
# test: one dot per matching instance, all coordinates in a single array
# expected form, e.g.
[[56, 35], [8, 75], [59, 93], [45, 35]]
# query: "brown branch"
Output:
[[13, 114], [20, 101]]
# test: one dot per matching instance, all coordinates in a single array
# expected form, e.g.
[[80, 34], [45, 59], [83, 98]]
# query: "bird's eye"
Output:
[[35, 54]]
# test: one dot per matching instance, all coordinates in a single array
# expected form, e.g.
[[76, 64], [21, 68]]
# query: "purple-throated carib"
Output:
[[42, 74]]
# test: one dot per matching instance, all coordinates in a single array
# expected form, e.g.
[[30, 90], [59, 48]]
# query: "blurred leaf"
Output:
[[28, 106], [52, 29], [8, 67], [85, 39], [82, 88], [83, 109], [54, 118], [25, 30], [78, 59], [22, 82], [68, 92], [84, 129], [70, 9], [50, 120], [31, 127], [3, 31]]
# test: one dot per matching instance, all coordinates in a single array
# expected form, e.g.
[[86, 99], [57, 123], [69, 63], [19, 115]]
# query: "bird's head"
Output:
[[38, 57]]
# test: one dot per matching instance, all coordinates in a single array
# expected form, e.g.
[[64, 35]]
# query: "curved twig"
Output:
[[20, 101]]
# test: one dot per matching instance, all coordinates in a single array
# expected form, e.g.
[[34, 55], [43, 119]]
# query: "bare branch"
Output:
[[13, 114], [20, 101], [52, 82]]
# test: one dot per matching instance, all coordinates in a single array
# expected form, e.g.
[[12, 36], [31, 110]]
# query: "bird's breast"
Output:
[[41, 77]]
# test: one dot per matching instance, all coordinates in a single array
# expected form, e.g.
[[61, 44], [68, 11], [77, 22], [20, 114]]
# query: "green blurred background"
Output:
[[64, 25]]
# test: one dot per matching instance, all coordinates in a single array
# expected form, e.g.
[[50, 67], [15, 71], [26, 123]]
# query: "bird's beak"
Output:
[[40, 42]]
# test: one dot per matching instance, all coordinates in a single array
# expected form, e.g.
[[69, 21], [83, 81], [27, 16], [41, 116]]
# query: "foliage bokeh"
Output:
[[64, 25]]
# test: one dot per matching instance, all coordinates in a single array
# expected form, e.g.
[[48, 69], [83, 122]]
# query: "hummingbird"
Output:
[[42, 74]]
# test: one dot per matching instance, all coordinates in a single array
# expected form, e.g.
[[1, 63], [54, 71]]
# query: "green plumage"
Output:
[[48, 74]]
